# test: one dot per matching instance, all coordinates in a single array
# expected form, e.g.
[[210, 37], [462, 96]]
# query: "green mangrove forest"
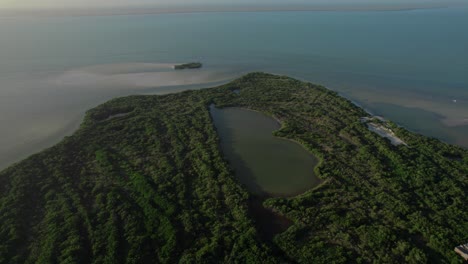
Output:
[[191, 65], [144, 180]]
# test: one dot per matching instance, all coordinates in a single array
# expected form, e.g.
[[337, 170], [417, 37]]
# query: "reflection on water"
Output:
[[264, 163]]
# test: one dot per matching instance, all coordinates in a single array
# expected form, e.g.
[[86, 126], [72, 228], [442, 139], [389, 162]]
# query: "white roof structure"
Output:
[[462, 250]]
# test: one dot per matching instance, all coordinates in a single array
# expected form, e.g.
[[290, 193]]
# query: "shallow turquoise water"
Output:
[[415, 61]]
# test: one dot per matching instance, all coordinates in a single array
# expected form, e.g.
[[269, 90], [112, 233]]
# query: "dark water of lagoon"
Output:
[[264, 163]]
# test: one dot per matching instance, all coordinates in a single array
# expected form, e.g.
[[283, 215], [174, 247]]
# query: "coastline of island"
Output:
[[156, 176]]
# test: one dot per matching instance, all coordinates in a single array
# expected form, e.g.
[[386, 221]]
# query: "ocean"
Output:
[[409, 66]]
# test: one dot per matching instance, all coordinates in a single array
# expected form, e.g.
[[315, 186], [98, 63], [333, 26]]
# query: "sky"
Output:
[[6, 4]]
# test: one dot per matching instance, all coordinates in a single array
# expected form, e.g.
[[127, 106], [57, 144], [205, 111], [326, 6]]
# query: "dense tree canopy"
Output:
[[143, 180]]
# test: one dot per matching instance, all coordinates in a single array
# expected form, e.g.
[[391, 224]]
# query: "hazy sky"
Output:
[[120, 3]]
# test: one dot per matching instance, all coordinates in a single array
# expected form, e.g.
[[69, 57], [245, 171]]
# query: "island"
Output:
[[144, 180], [191, 65]]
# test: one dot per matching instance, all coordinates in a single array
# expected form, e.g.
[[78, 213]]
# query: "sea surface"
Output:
[[408, 66]]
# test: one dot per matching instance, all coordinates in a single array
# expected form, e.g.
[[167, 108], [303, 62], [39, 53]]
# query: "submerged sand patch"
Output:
[[138, 75]]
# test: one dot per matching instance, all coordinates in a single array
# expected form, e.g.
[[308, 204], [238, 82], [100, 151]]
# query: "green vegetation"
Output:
[[152, 186], [192, 65]]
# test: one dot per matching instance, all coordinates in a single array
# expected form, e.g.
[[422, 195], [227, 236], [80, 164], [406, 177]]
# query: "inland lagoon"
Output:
[[266, 164]]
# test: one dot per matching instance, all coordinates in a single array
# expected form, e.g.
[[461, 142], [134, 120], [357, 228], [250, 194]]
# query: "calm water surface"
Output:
[[264, 163], [410, 66]]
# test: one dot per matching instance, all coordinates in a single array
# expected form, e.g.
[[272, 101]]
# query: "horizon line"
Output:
[[174, 9]]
